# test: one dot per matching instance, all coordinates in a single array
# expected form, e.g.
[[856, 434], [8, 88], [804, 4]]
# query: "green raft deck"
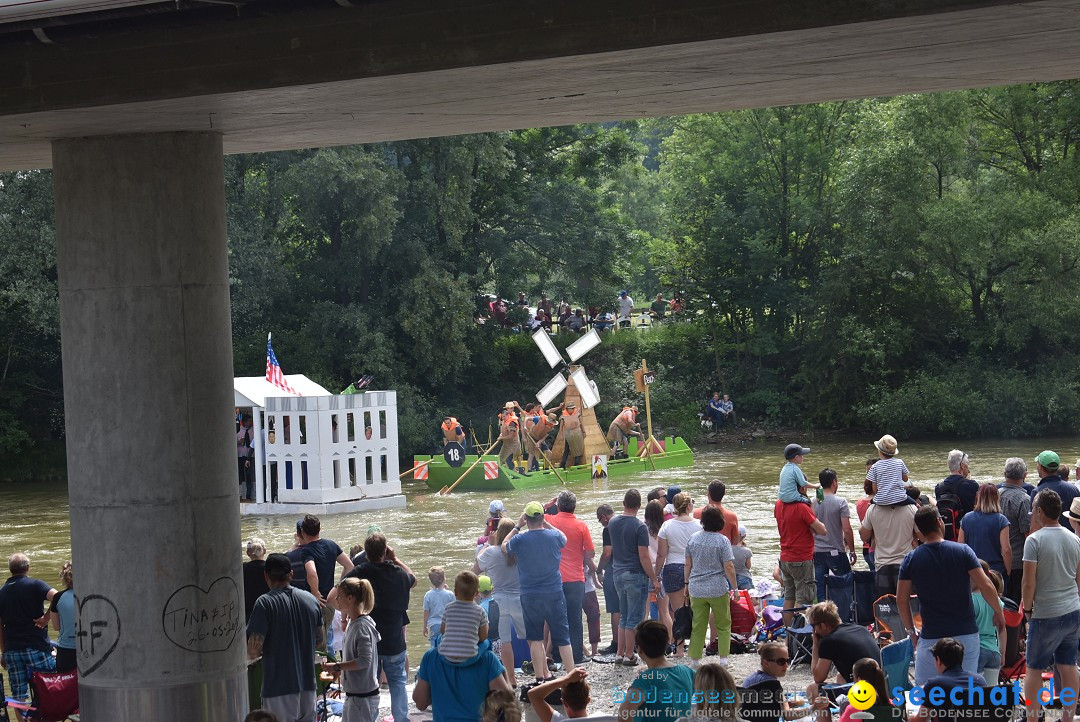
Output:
[[489, 475]]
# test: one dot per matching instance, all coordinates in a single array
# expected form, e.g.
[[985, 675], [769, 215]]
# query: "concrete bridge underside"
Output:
[[135, 114], [329, 75]]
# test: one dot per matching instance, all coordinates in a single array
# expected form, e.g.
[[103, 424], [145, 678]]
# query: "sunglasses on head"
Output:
[[784, 661]]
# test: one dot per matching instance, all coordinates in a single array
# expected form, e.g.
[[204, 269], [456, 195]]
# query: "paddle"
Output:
[[479, 457], [546, 458], [414, 468]]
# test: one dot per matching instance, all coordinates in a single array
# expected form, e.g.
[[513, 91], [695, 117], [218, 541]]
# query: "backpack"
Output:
[[951, 511]]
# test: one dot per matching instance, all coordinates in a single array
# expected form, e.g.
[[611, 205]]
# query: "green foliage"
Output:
[[904, 264]]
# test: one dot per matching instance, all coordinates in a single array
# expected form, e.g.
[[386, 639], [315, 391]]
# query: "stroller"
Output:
[[798, 637]]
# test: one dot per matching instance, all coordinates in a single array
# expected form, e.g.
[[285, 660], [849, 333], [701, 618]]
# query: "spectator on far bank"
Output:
[[659, 306]]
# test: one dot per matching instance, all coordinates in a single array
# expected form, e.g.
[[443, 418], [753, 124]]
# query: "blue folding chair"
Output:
[[896, 661]]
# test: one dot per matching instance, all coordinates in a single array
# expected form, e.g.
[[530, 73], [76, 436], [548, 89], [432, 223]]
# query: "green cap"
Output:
[[1048, 460], [485, 583], [535, 508]]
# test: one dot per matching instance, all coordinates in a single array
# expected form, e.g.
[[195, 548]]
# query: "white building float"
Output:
[[320, 453]]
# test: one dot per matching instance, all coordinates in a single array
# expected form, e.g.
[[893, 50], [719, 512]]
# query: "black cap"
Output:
[[793, 450], [277, 566]]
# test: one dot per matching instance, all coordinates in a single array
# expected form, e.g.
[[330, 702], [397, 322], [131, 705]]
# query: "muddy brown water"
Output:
[[434, 530]]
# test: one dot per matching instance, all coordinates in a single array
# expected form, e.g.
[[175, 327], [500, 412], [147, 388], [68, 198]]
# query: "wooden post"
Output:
[[648, 407]]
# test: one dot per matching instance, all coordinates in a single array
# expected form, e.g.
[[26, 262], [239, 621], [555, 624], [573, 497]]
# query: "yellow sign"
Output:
[[862, 695]]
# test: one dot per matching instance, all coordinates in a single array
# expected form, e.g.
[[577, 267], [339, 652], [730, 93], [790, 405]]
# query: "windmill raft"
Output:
[[485, 473]]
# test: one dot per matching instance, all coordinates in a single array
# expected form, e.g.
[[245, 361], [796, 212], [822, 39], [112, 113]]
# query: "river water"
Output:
[[434, 530]]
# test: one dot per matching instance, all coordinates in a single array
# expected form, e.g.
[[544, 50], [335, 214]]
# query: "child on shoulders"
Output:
[[888, 475], [464, 623], [793, 483]]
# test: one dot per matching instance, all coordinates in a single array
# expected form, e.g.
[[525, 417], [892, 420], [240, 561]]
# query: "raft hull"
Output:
[[677, 454]]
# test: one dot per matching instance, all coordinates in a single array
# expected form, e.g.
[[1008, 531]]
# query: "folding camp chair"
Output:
[[896, 659], [762, 702], [1015, 662], [800, 640], [890, 628], [54, 697], [853, 594]]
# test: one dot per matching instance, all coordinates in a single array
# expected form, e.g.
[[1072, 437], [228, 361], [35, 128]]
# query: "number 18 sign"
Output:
[[454, 453]]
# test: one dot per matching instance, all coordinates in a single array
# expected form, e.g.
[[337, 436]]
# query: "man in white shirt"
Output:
[[626, 306]]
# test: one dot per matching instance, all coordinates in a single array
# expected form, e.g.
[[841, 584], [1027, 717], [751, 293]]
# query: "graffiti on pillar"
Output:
[[203, 620], [97, 632]]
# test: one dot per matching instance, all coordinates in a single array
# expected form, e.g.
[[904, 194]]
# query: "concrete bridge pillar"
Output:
[[147, 358]]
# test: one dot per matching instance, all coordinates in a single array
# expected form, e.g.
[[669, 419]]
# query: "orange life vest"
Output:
[[449, 431]]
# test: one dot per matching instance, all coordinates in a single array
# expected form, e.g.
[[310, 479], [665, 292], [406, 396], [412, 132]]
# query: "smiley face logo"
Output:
[[862, 695]]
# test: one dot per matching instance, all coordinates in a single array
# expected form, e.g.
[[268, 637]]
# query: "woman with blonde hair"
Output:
[[986, 530], [716, 696], [671, 557], [500, 705], [62, 616], [502, 570], [359, 667]]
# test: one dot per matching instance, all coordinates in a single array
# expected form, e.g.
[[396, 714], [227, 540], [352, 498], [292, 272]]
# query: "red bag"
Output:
[[743, 616], [56, 695]]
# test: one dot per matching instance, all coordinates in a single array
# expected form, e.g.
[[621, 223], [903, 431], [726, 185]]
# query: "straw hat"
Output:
[[886, 445], [1074, 510]]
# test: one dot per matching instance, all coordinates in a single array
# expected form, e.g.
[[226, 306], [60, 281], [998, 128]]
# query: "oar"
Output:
[[414, 468], [479, 457], [546, 458]]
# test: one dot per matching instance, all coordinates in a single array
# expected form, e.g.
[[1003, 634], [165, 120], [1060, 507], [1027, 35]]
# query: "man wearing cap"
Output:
[[626, 307], [539, 556], [1047, 466], [576, 554], [508, 434], [1050, 602], [285, 628]]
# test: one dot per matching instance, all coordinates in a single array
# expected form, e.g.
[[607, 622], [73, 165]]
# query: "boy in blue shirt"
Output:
[[793, 483]]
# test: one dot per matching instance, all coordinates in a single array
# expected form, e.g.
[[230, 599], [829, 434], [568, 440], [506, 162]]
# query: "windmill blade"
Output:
[[551, 390], [543, 341], [589, 397], [583, 345]]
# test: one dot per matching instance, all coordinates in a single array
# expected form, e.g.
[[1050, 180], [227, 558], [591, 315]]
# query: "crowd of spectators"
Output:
[[522, 316]]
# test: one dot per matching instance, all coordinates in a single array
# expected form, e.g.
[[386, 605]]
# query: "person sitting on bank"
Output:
[[576, 323], [774, 665], [713, 412], [575, 699], [836, 643], [883, 710], [949, 663]]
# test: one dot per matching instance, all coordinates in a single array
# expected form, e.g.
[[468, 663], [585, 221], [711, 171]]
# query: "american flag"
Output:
[[273, 370]]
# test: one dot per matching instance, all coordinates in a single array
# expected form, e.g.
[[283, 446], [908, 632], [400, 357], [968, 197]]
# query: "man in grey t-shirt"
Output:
[[1050, 599], [835, 549]]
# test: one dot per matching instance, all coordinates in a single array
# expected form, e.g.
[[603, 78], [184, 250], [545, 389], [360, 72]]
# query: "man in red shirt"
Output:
[[717, 490], [797, 525], [577, 552]]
